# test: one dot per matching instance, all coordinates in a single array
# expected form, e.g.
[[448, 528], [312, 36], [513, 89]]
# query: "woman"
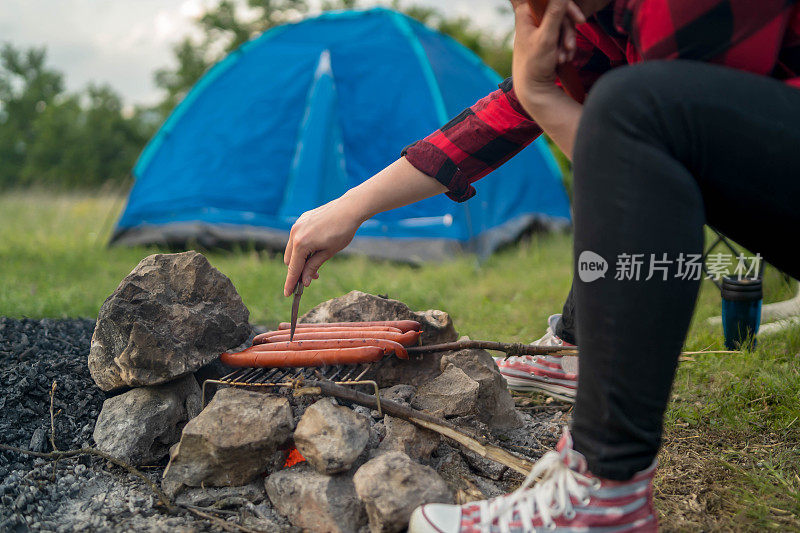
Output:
[[659, 149]]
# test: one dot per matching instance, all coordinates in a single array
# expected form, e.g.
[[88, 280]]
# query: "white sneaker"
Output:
[[556, 375], [567, 497], [550, 338]]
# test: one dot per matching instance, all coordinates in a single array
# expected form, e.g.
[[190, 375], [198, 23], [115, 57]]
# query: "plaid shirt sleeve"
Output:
[[492, 131], [477, 141]]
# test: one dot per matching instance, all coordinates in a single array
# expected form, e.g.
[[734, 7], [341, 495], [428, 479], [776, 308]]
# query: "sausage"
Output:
[[331, 356], [387, 345], [408, 338], [263, 336], [402, 325]]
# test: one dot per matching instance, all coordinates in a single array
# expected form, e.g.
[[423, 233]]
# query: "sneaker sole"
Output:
[[556, 391]]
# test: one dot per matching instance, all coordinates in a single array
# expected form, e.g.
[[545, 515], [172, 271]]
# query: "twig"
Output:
[[52, 418], [704, 352], [94, 451], [510, 348], [428, 421], [208, 509], [558, 406], [53, 429], [224, 524]]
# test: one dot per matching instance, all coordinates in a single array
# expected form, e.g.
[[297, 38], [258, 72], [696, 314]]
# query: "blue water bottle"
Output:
[[741, 310]]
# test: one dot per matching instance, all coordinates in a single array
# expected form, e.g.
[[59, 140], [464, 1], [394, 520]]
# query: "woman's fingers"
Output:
[[575, 14], [312, 265], [568, 41], [568, 35], [287, 253], [551, 22], [296, 265]]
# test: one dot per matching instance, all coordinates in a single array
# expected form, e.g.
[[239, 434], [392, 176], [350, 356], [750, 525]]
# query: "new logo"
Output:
[[591, 266]]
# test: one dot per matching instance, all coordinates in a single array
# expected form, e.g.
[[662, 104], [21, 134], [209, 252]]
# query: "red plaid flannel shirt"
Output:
[[757, 36]]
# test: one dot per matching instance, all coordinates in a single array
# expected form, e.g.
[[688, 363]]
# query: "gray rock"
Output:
[[399, 393], [416, 442], [452, 393], [485, 467], [316, 502], [170, 316], [462, 480], [359, 306], [331, 437], [495, 404], [140, 425], [392, 485], [230, 442], [38, 440]]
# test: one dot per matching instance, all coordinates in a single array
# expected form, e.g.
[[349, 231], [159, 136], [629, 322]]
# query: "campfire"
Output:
[[371, 410]]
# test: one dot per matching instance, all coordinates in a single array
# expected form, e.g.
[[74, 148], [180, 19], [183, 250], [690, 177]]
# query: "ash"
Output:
[[77, 494]]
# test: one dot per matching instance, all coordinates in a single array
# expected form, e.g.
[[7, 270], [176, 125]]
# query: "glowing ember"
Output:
[[293, 457]]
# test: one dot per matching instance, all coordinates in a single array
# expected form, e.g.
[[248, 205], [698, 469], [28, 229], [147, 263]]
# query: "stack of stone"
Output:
[[174, 314]]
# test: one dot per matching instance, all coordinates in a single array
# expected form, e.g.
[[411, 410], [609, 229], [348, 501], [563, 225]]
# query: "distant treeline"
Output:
[[52, 137]]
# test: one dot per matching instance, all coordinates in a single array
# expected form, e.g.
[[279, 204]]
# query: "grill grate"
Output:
[[296, 378]]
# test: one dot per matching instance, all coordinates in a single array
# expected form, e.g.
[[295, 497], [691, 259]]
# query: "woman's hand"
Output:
[[316, 237], [322, 232], [539, 50], [537, 53]]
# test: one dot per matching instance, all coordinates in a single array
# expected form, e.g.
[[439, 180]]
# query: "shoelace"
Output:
[[521, 358], [550, 497], [531, 359]]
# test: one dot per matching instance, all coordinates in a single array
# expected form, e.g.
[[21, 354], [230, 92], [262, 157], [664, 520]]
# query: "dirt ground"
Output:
[[698, 472]]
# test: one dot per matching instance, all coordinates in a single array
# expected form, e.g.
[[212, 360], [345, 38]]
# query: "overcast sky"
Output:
[[122, 42]]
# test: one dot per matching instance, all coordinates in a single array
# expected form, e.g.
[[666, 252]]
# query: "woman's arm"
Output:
[[322, 232]]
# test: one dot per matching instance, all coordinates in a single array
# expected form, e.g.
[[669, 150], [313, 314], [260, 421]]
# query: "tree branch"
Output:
[[510, 348]]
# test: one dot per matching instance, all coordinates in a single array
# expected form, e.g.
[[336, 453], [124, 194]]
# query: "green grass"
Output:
[[733, 427]]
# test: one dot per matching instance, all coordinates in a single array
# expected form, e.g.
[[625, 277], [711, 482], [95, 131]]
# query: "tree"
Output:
[[27, 88], [224, 28], [83, 140], [193, 61], [51, 137], [494, 50]]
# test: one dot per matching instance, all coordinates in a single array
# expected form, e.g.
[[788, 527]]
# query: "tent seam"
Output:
[[424, 64]]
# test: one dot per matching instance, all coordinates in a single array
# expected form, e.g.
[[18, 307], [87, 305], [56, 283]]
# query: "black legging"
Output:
[[662, 148], [565, 325]]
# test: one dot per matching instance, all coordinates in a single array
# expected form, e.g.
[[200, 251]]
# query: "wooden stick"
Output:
[[428, 421], [510, 348], [52, 418], [704, 352]]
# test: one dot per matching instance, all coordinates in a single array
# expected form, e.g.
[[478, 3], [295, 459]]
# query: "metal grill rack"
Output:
[[301, 379]]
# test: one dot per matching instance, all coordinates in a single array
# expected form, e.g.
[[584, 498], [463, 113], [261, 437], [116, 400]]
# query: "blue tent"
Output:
[[299, 115]]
